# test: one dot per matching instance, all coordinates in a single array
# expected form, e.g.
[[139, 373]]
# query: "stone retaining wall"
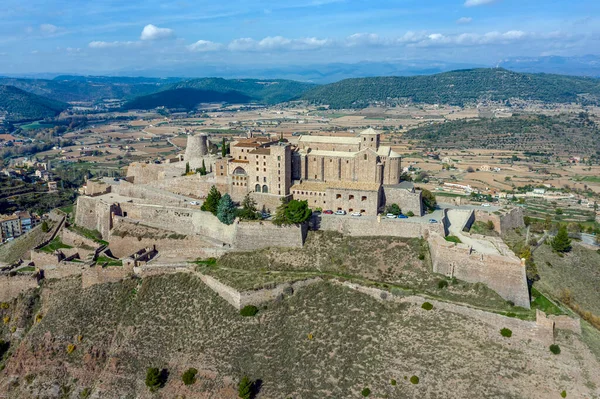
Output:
[[372, 227], [12, 286], [504, 274]]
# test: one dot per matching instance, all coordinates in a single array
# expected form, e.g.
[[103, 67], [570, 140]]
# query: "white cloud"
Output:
[[101, 44], [204, 46], [364, 39], [464, 20], [152, 32], [475, 3], [272, 43], [49, 29]]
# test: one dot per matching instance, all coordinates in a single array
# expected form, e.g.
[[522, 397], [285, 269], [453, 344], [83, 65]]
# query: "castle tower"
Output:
[[369, 139], [197, 146]]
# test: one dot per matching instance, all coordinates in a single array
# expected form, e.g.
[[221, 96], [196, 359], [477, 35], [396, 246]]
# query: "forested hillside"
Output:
[[185, 98], [263, 91], [88, 88], [23, 106], [564, 134], [457, 88]]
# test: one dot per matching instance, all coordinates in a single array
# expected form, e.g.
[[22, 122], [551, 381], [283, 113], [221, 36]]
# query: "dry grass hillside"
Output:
[[323, 341]]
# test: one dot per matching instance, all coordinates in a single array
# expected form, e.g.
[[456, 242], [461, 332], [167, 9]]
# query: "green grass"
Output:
[[54, 245], [445, 194], [67, 209], [93, 235], [28, 269], [544, 304], [590, 179], [454, 239], [102, 260], [37, 125]]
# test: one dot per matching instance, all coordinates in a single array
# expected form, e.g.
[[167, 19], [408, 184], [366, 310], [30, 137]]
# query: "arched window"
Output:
[[265, 189], [257, 188]]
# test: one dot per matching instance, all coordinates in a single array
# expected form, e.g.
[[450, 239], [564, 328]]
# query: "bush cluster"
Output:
[[442, 284], [189, 377], [365, 392], [555, 349], [505, 332], [427, 306], [249, 311], [414, 380]]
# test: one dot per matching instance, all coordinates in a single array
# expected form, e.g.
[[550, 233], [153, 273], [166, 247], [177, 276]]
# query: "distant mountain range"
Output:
[[20, 105], [457, 88]]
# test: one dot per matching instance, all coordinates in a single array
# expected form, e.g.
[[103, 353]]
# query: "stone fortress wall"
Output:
[[504, 221], [373, 227], [505, 274]]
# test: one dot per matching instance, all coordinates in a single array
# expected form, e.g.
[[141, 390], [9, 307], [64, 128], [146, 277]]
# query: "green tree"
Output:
[[248, 210], [187, 168], [429, 201], [189, 377], [153, 379], [561, 242], [45, 227], [393, 209], [224, 148], [203, 171], [212, 201], [226, 210], [298, 212], [245, 388]]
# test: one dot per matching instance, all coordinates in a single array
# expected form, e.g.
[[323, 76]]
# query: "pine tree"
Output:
[[212, 201], [187, 168], [248, 208], [245, 388], [226, 210], [562, 243]]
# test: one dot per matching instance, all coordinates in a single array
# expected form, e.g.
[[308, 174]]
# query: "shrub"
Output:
[[383, 295], [85, 393], [563, 394], [393, 382], [245, 388], [505, 332], [189, 377], [4, 305], [421, 256], [414, 379], [249, 311], [289, 291], [365, 392], [427, 306], [442, 284], [410, 214], [153, 379], [555, 349], [490, 225], [45, 227], [511, 314], [6, 319], [70, 348]]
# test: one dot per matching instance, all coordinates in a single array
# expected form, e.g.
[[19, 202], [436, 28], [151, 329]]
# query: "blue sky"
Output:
[[106, 36]]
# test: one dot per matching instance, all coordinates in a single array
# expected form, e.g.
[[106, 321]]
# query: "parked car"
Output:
[[356, 214], [340, 212], [265, 215], [390, 216], [432, 221], [194, 203], [328, 212], [402, 216], [486, 204]]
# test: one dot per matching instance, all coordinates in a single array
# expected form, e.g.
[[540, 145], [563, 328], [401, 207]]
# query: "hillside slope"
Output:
[[185, 98], [263, 91], [457, 88], [88, 88], [23, 106], [323, 341], [560, 135]]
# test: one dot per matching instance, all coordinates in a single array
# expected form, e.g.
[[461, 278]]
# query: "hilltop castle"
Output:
[[338, 173]]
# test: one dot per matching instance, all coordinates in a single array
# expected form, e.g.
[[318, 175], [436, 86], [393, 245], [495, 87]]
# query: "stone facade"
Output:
[[505, 273], [503, 222], [12, 286], [358, 227]]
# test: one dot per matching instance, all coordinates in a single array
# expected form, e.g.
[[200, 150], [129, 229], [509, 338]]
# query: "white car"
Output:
[[356, 214], [194, 203], [390, 216], [340, 212], [486, 204]]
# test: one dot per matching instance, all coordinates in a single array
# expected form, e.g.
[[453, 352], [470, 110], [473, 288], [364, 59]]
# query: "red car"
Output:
[[328, 212]]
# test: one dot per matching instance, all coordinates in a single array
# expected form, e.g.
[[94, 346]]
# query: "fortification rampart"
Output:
[[503, 273], [101, 275], [142, 173], [195, 185], [378, 227], [12, 286], [561, 322], [407, 200], [74, 239], [504, 220]]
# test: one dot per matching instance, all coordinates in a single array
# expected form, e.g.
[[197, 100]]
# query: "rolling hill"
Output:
[[88, 88], [22, 106], [187, 98], [457, 88], [263, 91]]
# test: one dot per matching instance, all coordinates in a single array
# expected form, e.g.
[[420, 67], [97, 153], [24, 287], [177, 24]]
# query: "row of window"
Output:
[[337, 196]]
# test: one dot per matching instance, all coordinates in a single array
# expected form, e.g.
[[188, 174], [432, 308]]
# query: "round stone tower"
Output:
[[197, 146], [203, 144]]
